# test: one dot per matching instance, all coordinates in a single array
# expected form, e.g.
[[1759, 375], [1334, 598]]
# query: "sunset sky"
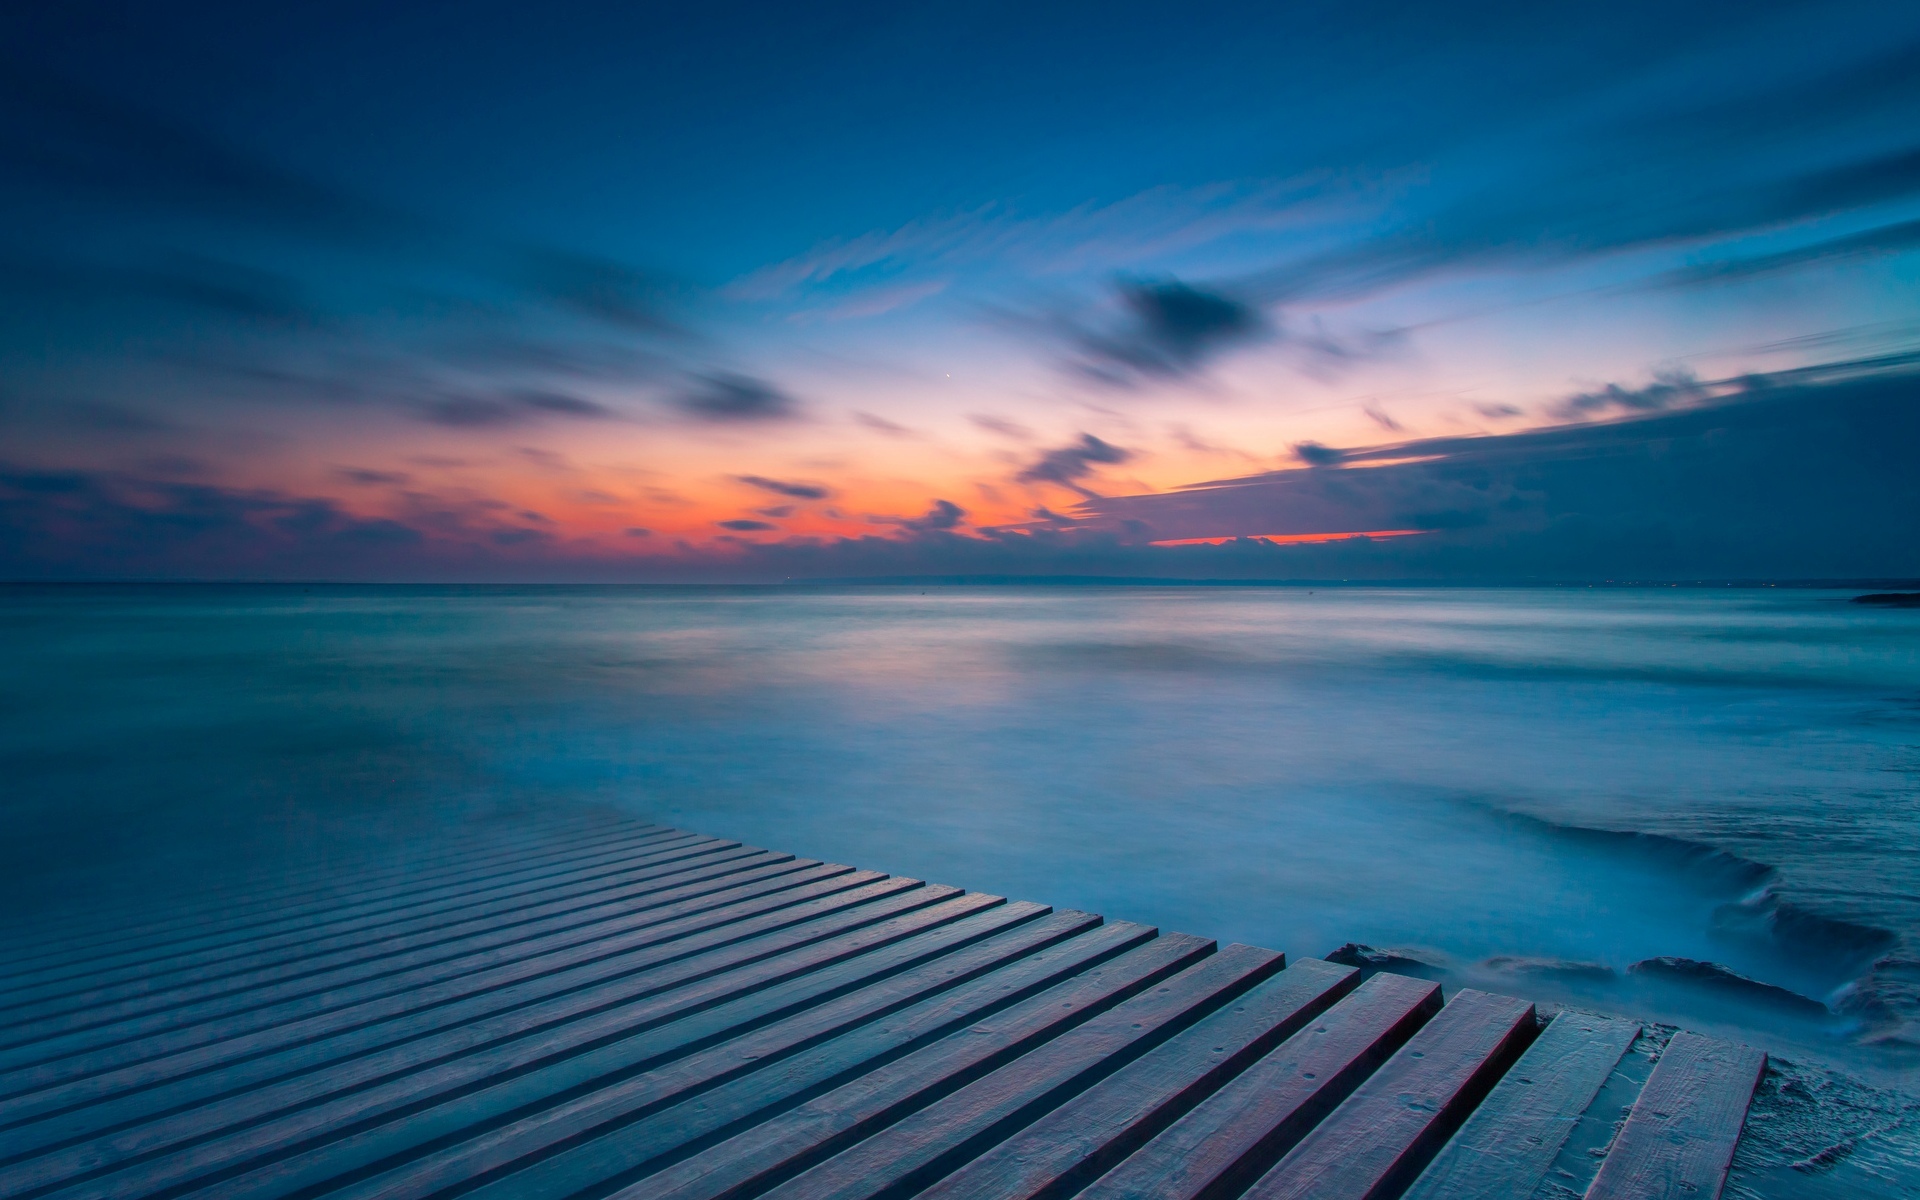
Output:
[[631, 292]]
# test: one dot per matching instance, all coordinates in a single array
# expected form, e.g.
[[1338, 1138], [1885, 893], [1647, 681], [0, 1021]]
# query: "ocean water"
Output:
[[1583, 795]]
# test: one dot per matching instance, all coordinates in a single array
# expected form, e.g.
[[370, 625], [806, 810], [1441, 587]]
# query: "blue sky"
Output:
[[622, 292]]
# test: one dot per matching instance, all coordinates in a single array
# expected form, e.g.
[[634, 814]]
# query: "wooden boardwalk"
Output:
[[635, 1011]]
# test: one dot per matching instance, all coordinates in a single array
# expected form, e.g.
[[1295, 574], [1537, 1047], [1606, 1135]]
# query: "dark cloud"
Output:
[[1804, 474], [781, 487], [1379, 417], [1069, 464], [371, 478], [472, 411], [1169, 328], [1315, 455], [777, 511], [638, 531], [1881, 240], [726, 397], [1668, 389], [943, 516], [745, 526]]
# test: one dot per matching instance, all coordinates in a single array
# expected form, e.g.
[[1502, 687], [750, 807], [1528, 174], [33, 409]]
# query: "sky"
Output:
[[633, 292]]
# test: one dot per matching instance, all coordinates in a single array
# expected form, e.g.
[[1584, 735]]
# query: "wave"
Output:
[[1712, 976], [1705, 866]]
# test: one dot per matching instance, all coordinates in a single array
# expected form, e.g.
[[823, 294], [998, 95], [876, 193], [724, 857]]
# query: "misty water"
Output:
[[1579, 795]]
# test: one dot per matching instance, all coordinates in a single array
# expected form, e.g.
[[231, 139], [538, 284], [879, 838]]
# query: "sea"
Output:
[[1696, 805]]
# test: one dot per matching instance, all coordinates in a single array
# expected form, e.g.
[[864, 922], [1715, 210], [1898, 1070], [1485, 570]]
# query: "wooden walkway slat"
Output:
[[921, 1148], [1679, 1139], [779, 1148], [243, 921], [600, 1009], [1507, 1147], [78, 978], [105, 1024], [1239, 1132], [1072, 1145], [309, 955], [645, 971], [96, 933], [643, 1147], [1372, 1145], [677, 954], [748, 1003]]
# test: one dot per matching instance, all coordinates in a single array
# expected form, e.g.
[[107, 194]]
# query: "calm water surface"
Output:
[[1539, 791]]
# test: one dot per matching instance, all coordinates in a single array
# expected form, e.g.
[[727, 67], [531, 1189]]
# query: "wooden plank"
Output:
[[240, 991], [98, 932], [1382, 1135], [297, 931], [294, 953], [356, 1004], [405, 893], [1507, 1147], [920, 1148], [661, 959], [763, 1154], [533, 1138], [1239, 1132], [299, 1111], [676, 1130], [822, 972], [113, 1014], [1063, 1151], [1679, 1139], [79, 978]]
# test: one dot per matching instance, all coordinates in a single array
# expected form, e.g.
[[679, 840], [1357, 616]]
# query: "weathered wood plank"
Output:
[[1507, 1147], [666, 958], [921, 1148], [1678, 1141], [358, 1004], [638, 1149], [529, 1139], [828, 970], [766, 1153], [113, 1015], [1383, 1134], [100, 931], [1075, 1143], [82, 976], [1239, 1132]]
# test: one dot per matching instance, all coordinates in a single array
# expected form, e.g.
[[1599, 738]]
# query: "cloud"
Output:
[[1804, 474], [1315, 455], [1168, 329], [473, 411], [726, 397], [781, 487], [1000, 425], [370, 478], [882, 425], [1668, 389], [943, 516], [745, 526], [1069, 464]]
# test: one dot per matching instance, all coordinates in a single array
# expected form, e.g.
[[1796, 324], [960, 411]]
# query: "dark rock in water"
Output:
[[1890, 599], [1371, 958], [1727, 981], [1551, 967]]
